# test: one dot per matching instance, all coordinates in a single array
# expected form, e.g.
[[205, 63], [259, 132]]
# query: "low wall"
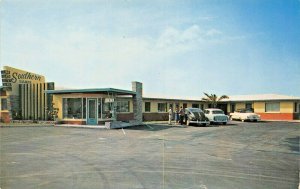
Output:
[[124, 116], [75, 122], [4, 117], [276, 116], [296, 116], [155, 116]]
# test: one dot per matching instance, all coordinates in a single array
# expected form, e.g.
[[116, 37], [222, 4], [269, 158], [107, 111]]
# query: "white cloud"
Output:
[[213, 32], [174, 40], [91, 58]]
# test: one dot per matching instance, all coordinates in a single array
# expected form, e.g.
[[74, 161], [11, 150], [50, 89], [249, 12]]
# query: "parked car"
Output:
[[244, 115], [195, 115], [215, 115]]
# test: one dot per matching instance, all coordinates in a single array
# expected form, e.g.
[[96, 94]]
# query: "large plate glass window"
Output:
[[72, 108], [84, 108], [122, 106], [100, 107], [108, 108]]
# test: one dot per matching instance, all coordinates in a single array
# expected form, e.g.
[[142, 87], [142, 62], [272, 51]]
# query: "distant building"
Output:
[[23, 95], [27, 96]]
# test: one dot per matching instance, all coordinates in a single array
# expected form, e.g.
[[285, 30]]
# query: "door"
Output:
[[92, 112]]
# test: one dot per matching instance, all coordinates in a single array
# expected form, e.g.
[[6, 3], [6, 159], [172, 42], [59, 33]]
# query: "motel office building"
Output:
[[27, 96]]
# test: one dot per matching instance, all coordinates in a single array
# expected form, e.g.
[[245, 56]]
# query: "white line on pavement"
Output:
[[123, 131], [149, 126]]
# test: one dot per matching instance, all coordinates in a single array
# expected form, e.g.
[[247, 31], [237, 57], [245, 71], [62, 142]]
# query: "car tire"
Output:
[[224, 123]]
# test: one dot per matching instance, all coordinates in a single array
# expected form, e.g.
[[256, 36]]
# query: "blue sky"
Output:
[[176, 48]]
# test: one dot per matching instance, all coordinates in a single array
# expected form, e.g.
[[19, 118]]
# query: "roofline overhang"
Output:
[[92, 91], [262, 100]]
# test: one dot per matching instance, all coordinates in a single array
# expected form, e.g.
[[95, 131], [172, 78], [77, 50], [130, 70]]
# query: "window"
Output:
[[296, 107], [122, 106], [3, 104], [202, 106], [162, 107], [107, 108], [195, 105], [147, 106], [184, 105], [272, 107], [72, 108], [100, 108], [84, 108], [248, 106], [217, 112], [232, 108]]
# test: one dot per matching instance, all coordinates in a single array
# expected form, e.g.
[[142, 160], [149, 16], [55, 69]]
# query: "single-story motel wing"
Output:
[[27, 96]]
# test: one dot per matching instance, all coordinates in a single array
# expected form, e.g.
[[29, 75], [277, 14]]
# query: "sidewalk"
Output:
[[81, 126], [25, 125]]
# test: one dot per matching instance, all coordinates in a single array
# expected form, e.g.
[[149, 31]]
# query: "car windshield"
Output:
[[217, 112], [194, 110], [245, 111]]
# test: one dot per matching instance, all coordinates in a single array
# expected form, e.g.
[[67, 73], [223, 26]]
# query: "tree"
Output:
[[51, 112], [213, 99]]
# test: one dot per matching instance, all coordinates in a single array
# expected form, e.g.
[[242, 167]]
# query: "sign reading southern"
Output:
[[12, 76]]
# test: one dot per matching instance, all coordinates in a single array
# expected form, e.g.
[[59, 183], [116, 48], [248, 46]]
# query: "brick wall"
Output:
[[4, 117], [155, 116], [276, 116], [125, 116], [75, 122]]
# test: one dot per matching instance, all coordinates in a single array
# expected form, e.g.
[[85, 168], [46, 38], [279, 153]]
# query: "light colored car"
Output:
[[196, 116], [244, 115], [215, 115]]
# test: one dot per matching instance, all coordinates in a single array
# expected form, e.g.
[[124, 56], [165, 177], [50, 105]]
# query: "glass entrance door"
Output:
[[92, 112]]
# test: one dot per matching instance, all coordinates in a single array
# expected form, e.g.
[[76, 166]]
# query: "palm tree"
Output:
[[213, 99]]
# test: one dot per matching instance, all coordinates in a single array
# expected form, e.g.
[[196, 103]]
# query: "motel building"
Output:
[[27, 96]]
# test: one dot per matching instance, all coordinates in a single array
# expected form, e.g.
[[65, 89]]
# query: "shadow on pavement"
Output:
[[293, 143], [154, 127]]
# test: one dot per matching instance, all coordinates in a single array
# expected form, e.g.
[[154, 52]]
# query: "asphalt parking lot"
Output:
[[239, 155]]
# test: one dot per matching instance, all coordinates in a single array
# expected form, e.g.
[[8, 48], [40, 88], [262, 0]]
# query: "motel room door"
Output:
[[92, 111]]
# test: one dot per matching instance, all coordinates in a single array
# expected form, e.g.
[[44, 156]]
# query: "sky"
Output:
[[174, 47]]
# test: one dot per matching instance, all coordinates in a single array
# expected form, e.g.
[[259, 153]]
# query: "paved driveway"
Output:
[[239, 155]]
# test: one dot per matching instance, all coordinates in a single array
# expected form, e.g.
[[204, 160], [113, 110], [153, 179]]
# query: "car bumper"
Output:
[[219, 121], [199, 122], [252, 119]]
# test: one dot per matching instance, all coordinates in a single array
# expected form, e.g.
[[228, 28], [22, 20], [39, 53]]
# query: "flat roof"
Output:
[[95, 90], [234, 98], [173, 99], [260, 97]]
